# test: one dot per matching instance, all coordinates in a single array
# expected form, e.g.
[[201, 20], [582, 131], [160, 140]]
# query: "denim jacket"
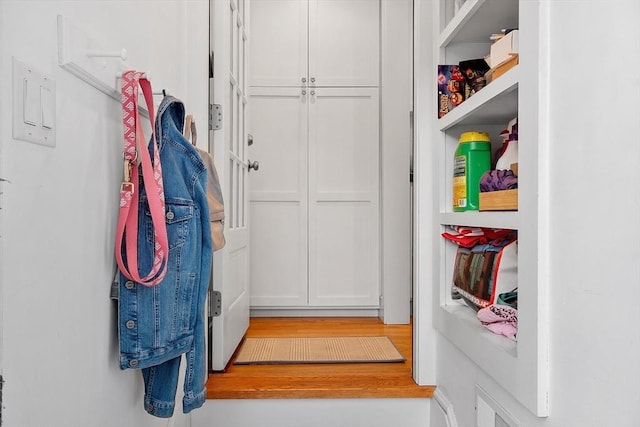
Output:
[[158, 324]]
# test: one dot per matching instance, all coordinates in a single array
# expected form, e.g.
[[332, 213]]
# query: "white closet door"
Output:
[[279, 197], [344, 219], [344, 42], [279, 48]]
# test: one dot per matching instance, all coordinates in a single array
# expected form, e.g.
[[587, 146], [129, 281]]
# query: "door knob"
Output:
[[249, 140], [253, 165]]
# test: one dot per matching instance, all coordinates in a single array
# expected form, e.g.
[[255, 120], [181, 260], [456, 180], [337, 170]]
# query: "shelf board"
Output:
[[489, 17], [496, 219], [495, 103]]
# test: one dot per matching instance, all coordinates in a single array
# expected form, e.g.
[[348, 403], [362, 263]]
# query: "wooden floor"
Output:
[[382, 380]]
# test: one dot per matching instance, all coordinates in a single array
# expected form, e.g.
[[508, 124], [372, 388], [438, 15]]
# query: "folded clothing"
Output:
[[496, 180], [500, 319], [468, 237]]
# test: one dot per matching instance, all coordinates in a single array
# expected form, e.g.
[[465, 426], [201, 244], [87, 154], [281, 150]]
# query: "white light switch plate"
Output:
[[34, 105]]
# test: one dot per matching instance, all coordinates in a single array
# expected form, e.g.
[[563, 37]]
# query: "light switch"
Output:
[[34, 105], [48, 107], [31, 101]]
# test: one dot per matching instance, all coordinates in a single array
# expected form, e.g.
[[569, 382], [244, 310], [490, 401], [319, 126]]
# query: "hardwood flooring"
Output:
[[353, 380]]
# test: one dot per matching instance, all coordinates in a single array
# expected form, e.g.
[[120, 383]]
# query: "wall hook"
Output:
[[122, 54]]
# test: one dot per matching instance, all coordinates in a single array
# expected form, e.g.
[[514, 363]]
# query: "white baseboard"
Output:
[[313, 312]]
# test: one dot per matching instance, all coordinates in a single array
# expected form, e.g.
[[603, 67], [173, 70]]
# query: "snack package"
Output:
[[452, 88], [473, 71]]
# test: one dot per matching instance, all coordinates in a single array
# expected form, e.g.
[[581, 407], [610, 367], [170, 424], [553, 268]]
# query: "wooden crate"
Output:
[[501, 68], [504, 200]]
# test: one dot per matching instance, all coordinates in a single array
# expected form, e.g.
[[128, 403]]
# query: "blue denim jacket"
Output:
[[158, 324]]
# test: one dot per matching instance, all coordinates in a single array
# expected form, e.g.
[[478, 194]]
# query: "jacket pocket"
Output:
[[178, 213]]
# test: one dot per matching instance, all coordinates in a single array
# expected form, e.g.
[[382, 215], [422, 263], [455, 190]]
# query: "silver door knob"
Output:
[[313, 79], [313, 92], [253, 165], [304, 80], [304, 92], [249, 140]]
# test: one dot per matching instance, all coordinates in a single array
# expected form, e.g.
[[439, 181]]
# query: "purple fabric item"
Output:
[[500, 319], [495, 180]]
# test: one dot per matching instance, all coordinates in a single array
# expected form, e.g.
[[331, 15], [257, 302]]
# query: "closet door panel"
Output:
[[279, 48], [344, 42], [279, 197], [344, 220]]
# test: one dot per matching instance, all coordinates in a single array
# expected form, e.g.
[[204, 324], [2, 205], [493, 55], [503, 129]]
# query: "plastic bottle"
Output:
[[472, 159], [510, 154]]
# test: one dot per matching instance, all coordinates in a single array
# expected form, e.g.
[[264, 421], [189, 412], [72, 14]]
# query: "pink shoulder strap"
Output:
[[135, 154]]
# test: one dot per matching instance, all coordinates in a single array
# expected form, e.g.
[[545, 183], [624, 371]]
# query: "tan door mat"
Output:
[[318, 350]]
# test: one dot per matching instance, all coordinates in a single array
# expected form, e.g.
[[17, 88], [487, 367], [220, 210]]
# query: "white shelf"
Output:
[[509, 220], [519, 368], [471, 335], [489, 16], [495, 103]]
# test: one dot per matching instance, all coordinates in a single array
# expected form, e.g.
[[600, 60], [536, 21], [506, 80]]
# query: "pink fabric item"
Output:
[[500, 319], [136, 154], [468, 237]]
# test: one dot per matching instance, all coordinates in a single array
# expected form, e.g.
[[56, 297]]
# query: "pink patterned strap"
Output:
[[136, 154]]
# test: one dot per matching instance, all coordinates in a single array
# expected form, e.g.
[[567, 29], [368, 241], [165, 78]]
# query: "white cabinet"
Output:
[[519, 367], [315, 43], [279, 43], [344, 224], [315, 117], [315, 199], [278, 199]]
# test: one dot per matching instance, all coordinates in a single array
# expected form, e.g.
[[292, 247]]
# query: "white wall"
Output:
[[60, 360], [396, 96], [594, 216], [314, 413]]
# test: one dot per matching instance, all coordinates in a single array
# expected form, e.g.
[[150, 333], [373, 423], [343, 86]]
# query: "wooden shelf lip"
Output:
[[474, 106]]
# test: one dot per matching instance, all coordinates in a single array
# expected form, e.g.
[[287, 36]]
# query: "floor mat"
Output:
[[318, 350]]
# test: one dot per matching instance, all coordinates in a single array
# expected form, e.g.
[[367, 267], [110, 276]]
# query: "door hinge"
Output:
[[215, 116], [215, 304]]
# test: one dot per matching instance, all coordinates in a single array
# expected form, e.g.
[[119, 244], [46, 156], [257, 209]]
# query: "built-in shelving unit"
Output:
[[520, 367]]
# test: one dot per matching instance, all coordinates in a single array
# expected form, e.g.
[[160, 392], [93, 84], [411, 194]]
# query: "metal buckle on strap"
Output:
[[127, 185]]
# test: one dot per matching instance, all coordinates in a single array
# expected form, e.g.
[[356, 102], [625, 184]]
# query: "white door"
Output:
[[315, 43], [344, 42], [279, 54], [315, 222], [228, 88], [279, 197], [344, 187]]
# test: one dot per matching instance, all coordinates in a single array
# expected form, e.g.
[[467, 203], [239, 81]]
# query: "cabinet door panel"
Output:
[[279, 49], [344, 220], [279, 197], [344, 38]]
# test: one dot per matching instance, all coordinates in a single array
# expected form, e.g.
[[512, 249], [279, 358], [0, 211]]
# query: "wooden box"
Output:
[[505, 200], [501, 68]]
